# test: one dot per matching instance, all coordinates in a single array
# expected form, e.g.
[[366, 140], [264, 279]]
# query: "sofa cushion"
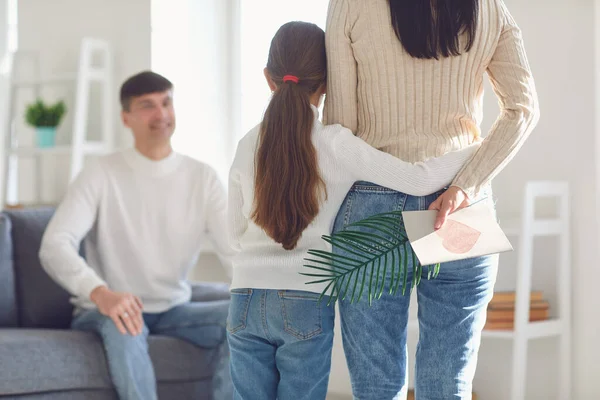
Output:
[[8, 296], [41, 302], [210, 291], [84, 394], [41, 360], [193, 390]]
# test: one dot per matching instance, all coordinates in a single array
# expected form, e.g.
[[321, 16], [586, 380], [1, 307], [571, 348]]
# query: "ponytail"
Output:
[[287, 185]]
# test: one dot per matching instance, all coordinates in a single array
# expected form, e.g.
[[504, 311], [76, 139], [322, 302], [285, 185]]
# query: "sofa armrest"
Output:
[[209, 291]]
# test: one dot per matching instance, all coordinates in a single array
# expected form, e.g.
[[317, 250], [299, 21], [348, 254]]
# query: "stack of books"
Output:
[[501, 310]]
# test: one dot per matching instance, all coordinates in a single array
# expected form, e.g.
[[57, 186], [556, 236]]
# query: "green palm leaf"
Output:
[[367, 257]]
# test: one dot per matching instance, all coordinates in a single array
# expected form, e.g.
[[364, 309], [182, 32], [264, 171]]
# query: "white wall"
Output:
[[559, 36], [191, 45], [5, 20], [3, 28], [55, 29]]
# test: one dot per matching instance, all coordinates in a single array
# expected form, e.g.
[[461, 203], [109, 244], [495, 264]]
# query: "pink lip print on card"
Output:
[[457, 237]]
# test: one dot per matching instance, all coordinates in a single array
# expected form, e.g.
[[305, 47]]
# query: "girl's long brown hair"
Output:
[[287, 185]]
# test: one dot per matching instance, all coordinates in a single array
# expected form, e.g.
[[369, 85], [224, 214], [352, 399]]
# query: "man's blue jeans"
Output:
[[200, 323]]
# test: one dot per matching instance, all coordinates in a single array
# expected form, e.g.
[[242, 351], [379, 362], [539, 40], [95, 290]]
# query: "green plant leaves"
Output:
[[362, 260], [40, 114]]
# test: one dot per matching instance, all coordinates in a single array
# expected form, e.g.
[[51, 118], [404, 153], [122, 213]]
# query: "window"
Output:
[[260, 19], [10, 43], [189, 47]]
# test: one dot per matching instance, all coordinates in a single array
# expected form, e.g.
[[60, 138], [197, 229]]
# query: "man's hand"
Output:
[[451, 200], [123, 308]]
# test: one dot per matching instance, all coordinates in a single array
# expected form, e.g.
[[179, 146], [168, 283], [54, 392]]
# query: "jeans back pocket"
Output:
[[301, 313], [238, 309]]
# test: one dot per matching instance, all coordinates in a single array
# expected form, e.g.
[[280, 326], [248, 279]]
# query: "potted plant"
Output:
[[45, 118]]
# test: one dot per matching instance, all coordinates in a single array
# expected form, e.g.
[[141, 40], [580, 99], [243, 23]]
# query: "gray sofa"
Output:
[[40, 358]]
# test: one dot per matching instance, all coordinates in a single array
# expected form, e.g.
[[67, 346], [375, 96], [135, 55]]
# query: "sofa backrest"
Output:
[[8, 293], [41, 303]]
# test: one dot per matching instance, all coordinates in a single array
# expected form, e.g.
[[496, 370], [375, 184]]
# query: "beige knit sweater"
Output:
[[417, 109]]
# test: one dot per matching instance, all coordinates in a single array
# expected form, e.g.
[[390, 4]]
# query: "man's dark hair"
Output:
[[140, 84]]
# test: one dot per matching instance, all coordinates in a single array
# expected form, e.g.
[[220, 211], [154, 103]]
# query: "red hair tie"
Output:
[[292, 78]]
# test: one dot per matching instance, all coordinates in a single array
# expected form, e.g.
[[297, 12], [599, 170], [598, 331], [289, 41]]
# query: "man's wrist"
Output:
[[97, 291]]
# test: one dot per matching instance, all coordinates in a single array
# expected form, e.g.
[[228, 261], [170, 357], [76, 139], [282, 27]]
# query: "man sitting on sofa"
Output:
[[145, 213]]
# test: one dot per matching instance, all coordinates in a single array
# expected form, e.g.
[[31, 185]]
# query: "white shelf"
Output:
[[95, 64], [50, 80], [97, 74], [94, 74], [31, 151], [539, 227], [208, 248], [511, 226], [541, 329], [533, 330], [526, 228]]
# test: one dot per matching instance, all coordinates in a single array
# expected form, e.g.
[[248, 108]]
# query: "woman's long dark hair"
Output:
[[287, 184], [433, 28]]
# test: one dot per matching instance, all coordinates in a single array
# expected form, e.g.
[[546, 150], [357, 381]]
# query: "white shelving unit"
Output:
[[88, 72], [526, 229]]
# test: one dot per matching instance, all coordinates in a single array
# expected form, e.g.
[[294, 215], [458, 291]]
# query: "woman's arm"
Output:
[[513, 83], [341, 103]]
